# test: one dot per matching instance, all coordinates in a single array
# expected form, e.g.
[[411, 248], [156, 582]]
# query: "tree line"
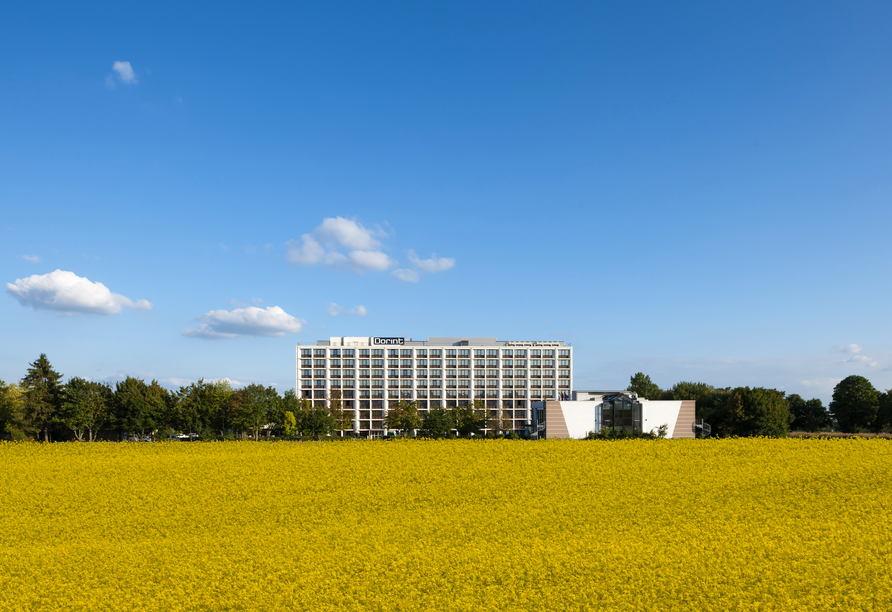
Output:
[[42, 407], [756, 411]]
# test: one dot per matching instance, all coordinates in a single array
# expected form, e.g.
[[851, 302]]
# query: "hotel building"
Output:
[[372, 373]]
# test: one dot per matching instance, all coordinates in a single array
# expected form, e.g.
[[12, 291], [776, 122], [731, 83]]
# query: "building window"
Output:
[[436, 363], [564, 353], [335, 363], [507, 353], [306, 352], [306, 363], [318, 352], [378, 353], [450, 352], [334, 353], [422, 363], [520, 353], [377, 363], [421, 352], [436, 353], [464, 352], [436, 373], [405, 363]]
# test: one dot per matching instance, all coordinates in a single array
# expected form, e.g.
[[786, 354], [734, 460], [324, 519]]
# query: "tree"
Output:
[[140, 407], [808, 415], [754, 411], [86, 407], [289, 425], [251, 408], [11, 410], [403, 416], [195, 407], [470, 418], [343, 418], [314, 421], [437, 423], [42, 396], [499, 423], [641, 384], [855, 404], [883, 421]]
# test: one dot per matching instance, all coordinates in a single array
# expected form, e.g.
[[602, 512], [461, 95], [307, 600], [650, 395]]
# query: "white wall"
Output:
[[580, 417], [656, 413]]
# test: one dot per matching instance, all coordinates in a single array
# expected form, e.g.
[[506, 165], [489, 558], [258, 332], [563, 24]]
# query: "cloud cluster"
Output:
[[345, 244], [423, 266], [31, 258], [249, 321], [334, 310], [855, 356], [341, 244], [68, 293]]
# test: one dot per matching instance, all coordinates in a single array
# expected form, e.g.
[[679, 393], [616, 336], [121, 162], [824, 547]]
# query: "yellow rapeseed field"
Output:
[[747, 524]]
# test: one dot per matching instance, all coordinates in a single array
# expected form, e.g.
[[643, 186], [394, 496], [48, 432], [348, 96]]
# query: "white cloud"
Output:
[[69, 293], [376, 261], [249, 321], [348, 233], [407, 274], [336, 233], [346, 244], [31, 258], [423, 266], [856, 358], [125, 73], [308, 252], [334, 310], [434, 264]]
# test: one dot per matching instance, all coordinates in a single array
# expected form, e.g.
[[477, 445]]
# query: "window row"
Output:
[[317, 353]]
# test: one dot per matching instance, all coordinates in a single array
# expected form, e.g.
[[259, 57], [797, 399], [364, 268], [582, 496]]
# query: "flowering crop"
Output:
[[741, 524]]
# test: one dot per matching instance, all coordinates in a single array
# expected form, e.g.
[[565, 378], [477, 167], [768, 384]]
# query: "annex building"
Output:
[[371, 373], [592, 411]]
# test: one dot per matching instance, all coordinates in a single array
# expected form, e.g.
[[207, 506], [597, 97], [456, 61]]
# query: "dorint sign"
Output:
[[388, 341]]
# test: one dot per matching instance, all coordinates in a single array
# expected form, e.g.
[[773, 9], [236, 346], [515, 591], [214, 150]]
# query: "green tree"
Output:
[[437, 423], [855, 404], [808, 415], [42, 396], [251, 409], [470, 418], [883, 421], [140, 407], [753, 412], [641, 384], [289, 425], [86, 407], [195, 407], [314, 421], [403, 416], [10, 410]]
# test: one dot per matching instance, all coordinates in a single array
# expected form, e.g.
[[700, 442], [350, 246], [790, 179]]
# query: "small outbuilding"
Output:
[[593, 411]]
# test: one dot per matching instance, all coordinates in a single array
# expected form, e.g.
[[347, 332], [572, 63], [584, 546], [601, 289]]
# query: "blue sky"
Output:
[[697, 191]]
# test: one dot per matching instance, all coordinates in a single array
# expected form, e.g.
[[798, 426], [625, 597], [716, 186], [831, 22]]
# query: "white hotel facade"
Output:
[[372, 373]]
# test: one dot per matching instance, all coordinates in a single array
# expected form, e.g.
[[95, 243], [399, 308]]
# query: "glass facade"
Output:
[[620, 413]]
